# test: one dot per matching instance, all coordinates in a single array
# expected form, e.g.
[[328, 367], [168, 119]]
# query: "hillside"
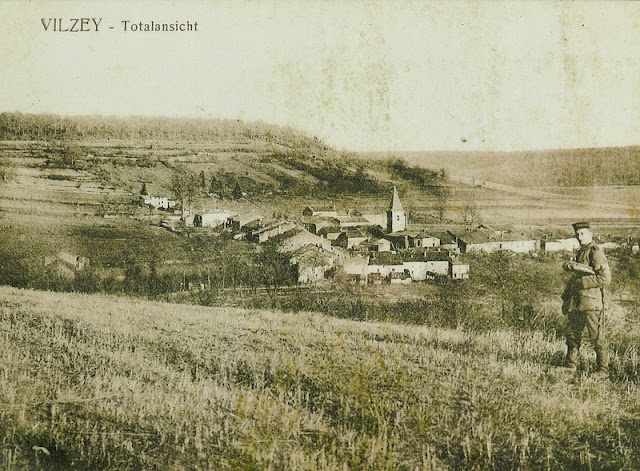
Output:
[[109, 156], [101, 164], [98, 382], [541, 168]]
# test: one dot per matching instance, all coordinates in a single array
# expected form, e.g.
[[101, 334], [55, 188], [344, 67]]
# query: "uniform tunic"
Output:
[[584, 292]]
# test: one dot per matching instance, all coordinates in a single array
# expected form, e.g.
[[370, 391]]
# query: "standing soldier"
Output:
[[583, 299]]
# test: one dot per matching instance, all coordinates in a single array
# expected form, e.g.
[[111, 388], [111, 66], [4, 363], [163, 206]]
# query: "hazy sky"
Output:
[[362, 75]]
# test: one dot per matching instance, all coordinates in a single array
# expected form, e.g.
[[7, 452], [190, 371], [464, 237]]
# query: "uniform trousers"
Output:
[[592, 320]]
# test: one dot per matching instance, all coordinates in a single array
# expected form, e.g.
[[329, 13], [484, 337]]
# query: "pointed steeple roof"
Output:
[[395, 201]]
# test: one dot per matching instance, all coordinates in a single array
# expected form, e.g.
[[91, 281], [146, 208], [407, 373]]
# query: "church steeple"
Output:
[[395, 205], [396, 219]]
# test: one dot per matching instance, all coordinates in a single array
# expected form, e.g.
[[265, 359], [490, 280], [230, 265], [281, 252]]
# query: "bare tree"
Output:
[[184, 186], [442, 198], [5, 171], [68, 155], [470, 213], [237, 192]]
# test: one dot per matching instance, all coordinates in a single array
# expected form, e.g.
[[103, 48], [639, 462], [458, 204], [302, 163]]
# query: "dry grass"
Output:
[[98, 382]]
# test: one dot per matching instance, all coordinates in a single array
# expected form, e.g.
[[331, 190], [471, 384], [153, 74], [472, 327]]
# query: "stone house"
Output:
[[213, 219], [271, 229], [159, 202], [384, 245], [328, 212], [458, 270], [312, 263], [297, 238], [486, 240], [239, 221]]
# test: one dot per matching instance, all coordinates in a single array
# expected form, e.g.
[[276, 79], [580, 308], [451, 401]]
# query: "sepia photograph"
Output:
[[319, 235]]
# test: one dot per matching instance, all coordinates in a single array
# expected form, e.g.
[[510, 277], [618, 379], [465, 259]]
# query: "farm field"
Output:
[[108, 179], [105, 382]]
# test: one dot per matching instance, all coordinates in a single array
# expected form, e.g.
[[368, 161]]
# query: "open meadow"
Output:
[[107, 382]]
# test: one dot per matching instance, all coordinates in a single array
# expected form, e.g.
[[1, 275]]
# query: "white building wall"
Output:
[[460, 271], [428, 242], [441, 267], [384, 270]]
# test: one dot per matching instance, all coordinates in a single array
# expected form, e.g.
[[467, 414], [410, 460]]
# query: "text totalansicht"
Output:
[[152, 26]]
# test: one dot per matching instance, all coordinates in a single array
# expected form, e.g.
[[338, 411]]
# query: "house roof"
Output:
[[298, 233], [385, 258], [273, 225], [246, 218], [312, 254], [426, 235], [366, 245], [254, 225], [354, 232], [474, 237], [458, 263], [352, 220], [402, 234], [395, 205], [216, 214], [446, 238], [330, 230]]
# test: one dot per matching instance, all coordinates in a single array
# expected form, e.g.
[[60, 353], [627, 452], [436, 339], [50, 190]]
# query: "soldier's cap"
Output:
[[580, 225]]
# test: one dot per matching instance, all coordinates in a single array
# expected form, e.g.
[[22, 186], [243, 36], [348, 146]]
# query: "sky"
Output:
[[360, 75]]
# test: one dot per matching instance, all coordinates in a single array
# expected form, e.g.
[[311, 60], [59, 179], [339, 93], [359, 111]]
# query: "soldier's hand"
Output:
[[576, 267], [577, 285]]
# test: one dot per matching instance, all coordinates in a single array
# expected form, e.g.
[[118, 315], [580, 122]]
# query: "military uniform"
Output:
[[583, 303]]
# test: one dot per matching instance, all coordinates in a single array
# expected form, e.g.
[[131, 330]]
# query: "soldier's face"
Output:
[[584, 236]]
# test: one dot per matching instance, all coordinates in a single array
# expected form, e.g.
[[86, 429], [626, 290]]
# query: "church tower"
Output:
[[396, 219]]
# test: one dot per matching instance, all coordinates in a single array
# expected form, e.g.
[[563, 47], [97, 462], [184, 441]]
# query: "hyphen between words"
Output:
[[85, 25]]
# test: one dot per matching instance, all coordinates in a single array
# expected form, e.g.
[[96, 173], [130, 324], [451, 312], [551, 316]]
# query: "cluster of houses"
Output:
[[368, 249], [373, 248]]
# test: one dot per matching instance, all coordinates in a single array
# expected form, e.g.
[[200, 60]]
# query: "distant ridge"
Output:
[[539, 168]]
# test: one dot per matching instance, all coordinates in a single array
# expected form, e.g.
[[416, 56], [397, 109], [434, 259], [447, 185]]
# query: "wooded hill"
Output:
[[223, 155]]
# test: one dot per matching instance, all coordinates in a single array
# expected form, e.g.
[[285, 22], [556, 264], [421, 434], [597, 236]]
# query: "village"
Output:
[[369, 249]]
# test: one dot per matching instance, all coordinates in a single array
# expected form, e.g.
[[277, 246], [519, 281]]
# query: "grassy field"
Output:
[[99, 382]]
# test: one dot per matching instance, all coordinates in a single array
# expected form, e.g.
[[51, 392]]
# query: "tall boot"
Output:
[[602, 360], [572, 357]]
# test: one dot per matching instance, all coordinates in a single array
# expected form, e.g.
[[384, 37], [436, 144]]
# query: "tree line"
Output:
[[583, 167], [42, 127]]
